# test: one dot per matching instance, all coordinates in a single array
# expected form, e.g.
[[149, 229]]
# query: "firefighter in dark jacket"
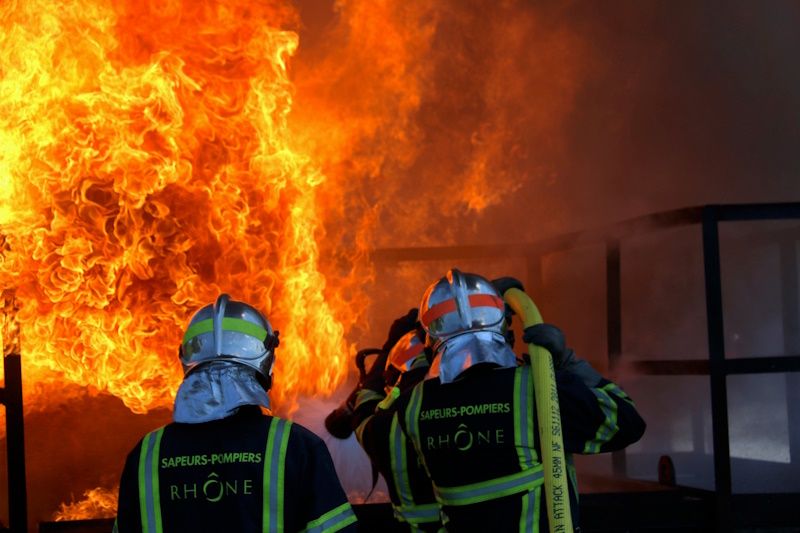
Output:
[[376, 426], [473, 420], [223, 465]]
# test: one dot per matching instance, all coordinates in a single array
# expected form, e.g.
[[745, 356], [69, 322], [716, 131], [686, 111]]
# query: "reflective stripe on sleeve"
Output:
[[360, 429], [333, 520], [149, 495], [491, 489], [609, 426], [614, 389], [273, 483], [366, 395]]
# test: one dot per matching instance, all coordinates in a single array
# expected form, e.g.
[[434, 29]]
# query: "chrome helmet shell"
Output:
[[229, 331], [407, 354], [459, 303], [464, 318]]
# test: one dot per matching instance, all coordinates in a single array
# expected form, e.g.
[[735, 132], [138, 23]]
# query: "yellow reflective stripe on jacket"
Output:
[[333, 520], [366, 395], [492, 489], [417, 514], [274, 470], [149, 495], [408, 511], [412, 422], [524, 442], [399, 465], [523, 417], [573, 475], [609, 426], [529, 518]]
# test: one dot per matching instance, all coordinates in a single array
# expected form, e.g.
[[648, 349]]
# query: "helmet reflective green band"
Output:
[[228, 324]]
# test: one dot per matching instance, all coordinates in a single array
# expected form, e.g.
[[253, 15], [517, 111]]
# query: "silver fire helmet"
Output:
[[407, 354], [229, 331], [460, 303]]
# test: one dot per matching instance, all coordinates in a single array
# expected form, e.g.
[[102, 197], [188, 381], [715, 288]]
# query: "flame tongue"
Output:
[[146, 166]]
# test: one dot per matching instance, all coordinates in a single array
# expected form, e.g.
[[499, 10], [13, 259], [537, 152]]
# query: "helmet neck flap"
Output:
[[227, 354], [457, 354]]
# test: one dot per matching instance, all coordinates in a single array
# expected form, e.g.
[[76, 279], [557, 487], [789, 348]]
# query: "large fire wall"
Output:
[[412, 123]]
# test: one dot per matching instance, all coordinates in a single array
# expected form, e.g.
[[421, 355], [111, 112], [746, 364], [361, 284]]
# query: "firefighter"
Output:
[[224, 465], [376, 426], [473, 420]]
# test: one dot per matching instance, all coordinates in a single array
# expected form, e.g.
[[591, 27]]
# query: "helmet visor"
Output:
[[443, 319], [240, 332]]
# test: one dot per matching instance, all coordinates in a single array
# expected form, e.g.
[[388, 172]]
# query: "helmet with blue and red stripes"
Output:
[[459, 303], [464, 319]]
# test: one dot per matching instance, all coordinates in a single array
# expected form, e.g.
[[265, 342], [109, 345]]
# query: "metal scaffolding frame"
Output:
[[11, 397], [749, 510]]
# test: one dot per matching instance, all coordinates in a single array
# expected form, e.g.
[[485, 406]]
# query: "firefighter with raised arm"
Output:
[[223, 465], [473, 420], [376, 426]]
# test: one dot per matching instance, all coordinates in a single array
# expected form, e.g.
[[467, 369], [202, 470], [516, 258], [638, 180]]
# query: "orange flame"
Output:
[[146, 166], [156, 153], [97, 503]]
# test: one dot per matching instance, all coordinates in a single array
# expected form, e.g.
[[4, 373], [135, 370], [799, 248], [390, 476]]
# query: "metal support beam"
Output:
[[15, 439], [613, 304], [619, 462], [716, 356], [790, 306]]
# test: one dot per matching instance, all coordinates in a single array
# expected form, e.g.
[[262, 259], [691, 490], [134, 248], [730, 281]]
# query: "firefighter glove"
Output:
[[582, 369], [550, 338], [503, 284]]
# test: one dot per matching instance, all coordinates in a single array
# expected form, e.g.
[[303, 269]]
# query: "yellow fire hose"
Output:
[[549, 415]]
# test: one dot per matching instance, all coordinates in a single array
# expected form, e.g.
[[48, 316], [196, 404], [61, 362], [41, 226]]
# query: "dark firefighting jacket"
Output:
[[478, 438], [377, 429], [246, 473]]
